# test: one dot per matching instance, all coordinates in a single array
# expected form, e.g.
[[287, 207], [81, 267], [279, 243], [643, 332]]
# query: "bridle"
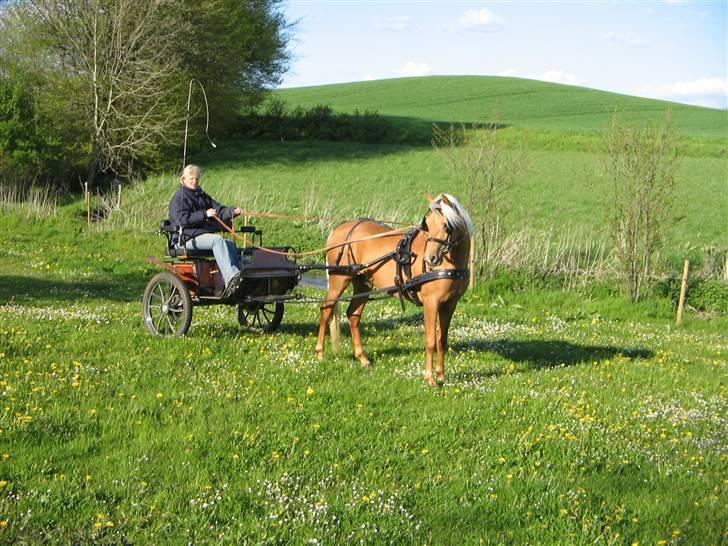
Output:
[[446, 245]]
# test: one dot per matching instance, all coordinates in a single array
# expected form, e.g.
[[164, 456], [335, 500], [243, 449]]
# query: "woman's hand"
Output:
[[210, 213], [237, 212]]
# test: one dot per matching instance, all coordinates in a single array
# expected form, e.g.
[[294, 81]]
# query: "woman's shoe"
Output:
[[232, 286]]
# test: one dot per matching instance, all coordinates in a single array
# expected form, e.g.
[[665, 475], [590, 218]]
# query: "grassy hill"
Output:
[[521, 103]]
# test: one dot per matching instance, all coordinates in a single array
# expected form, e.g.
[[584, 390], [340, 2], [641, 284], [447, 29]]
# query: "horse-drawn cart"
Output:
[[424, 264], [192, 279]]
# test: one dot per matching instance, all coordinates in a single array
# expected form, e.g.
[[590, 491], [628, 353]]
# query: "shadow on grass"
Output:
[[400, 134], [120, 288], [549, 353]]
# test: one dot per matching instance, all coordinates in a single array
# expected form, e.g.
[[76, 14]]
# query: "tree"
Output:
[[485, 173], [237, 50], [121, 67], [118, 66], [641, 166]]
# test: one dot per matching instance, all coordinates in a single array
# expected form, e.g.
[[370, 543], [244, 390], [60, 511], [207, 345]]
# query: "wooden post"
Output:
[[471, 263], [245, 235], [683, 289], [118, 198], [87, 196], [334, 326]]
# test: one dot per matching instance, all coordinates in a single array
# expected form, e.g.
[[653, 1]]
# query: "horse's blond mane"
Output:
[[456, 217]]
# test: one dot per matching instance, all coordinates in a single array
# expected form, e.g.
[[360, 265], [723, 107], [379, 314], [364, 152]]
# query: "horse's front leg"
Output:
[[430, 323], [444, 316], [354, 313]]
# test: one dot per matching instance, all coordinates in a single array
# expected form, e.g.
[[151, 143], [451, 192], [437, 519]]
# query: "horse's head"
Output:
[[445, 225]]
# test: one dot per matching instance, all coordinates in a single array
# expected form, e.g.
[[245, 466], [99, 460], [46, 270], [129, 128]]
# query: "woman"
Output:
[[195, 212]]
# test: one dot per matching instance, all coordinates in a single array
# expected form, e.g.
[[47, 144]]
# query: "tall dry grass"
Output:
[[573, 255], [29, 201]]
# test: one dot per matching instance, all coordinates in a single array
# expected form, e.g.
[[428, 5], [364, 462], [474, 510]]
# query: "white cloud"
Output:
[[481, 19], [412, 68], [695, 88], [553, 76], [395, 24], [621, 39], [711, 92], [559, 76], [510, 73]]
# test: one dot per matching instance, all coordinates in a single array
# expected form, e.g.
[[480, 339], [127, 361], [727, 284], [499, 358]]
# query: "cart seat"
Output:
[[173, 251], [177, 252]]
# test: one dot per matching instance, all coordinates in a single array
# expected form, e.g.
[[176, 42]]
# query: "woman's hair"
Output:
[[189, 169]]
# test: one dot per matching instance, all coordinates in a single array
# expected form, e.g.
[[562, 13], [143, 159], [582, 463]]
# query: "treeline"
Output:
[[275, 122], [90, 88]]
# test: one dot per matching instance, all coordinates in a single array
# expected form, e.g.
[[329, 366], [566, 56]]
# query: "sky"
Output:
[[674, 49]]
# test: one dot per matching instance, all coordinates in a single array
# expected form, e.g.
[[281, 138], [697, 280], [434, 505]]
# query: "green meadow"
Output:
[[567, 417]]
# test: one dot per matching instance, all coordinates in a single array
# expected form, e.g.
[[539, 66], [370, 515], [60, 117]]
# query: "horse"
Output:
[[427, 266]]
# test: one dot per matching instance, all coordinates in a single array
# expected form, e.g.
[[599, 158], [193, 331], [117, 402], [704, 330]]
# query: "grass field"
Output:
[[568, 417]]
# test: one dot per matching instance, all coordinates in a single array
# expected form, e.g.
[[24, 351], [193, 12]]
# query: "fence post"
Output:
[[683, 289], [87, 197], [471, 263]]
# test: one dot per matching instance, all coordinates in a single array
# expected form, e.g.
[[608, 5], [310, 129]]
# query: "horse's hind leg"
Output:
[[354, 312], [337, 285]]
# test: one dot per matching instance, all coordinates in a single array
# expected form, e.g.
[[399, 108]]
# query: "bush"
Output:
[[32, 148], [707, 295], [321, 122]]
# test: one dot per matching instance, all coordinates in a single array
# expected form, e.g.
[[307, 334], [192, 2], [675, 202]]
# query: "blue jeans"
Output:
[[226, 255]]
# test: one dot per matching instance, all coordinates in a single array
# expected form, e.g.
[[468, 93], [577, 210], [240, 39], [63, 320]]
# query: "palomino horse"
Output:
[[434, 255]]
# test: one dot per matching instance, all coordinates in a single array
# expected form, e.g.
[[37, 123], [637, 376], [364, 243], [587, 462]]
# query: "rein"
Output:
[[391, 233], [402, 257]]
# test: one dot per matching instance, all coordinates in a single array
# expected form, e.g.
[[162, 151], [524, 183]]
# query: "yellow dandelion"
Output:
[[3, 523], [3, 483], [310, 392]]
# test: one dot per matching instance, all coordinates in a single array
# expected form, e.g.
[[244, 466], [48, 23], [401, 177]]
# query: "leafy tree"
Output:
[[119, 68], [640, 165], [237, 50]]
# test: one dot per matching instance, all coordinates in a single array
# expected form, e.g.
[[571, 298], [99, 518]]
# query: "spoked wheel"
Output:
[[167, 306], [266, 317]]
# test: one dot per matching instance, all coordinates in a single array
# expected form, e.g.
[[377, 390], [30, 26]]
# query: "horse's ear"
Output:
[[429, 198], [445, 200]]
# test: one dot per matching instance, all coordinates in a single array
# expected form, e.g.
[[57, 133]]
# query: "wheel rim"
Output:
[[166, 308], [266, 317]]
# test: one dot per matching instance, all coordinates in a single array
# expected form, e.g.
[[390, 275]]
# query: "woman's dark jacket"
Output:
[[187, 209]]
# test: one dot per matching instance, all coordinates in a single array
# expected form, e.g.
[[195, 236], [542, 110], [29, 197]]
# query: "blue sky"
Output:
[[674, 50]]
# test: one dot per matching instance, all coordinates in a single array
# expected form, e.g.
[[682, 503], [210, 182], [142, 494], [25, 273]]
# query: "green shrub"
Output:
[[702, 294], [321, 122], [32, 148]]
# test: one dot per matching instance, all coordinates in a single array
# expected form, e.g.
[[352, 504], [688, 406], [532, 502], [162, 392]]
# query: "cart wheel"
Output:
[[265, 316], [167, 306]]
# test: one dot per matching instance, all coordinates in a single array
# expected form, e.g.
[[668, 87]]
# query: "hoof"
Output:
[[363, 360], [320, 355], [431, 381]]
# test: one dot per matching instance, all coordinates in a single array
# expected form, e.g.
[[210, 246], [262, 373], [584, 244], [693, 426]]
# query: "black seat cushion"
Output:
[[176, 252]]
